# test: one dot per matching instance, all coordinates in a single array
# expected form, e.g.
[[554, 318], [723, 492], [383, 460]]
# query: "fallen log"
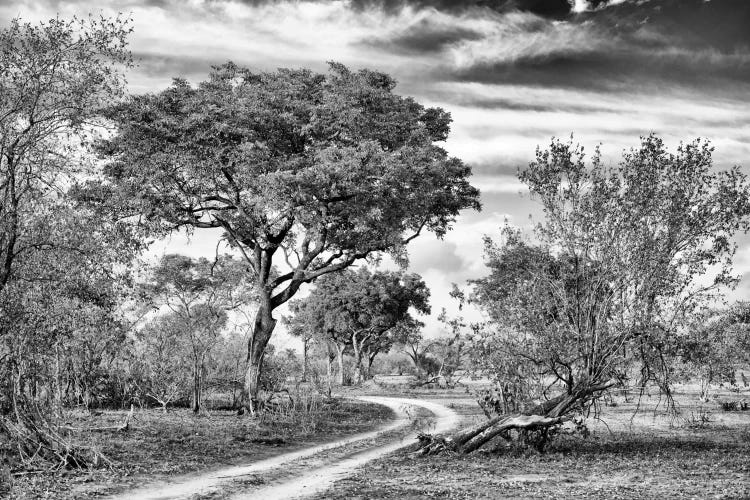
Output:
[[474, 438], [543, 417]]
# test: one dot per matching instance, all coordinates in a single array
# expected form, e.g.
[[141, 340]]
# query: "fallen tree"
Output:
[[542, 417]]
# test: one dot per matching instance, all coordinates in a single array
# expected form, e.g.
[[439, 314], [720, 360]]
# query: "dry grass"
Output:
[[627, 455], [160, 445]]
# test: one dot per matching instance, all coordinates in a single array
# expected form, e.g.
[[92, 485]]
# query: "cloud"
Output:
[[545, 8], [423, 37]]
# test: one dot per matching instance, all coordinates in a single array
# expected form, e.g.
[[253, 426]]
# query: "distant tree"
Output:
[[303, 327], [230, 358], [629, 254], [162, 360], [303, 171], [365, 311], [198, 293], [715, 346]]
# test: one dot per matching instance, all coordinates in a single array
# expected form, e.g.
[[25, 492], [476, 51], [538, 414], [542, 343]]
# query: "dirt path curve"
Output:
[[304, 480]]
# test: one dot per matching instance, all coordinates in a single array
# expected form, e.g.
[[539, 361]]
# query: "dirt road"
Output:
[[307, 471]]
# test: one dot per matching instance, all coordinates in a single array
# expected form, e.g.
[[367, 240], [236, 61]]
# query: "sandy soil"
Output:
[[310, 470]]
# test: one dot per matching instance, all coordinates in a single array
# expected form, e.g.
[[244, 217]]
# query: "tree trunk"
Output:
[[196, 388], [368, 369], [357, 377], [256, 350], [340, 358], [305, 343], [58, 381], [329, 370]]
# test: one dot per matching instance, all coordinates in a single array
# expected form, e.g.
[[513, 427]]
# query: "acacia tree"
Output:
[[418, 349], [629, 254], [303, 171], [364, 311], [199, 293]]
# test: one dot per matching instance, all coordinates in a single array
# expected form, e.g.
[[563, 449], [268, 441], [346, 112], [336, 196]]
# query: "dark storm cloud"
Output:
[[659, 42], [501, 103], [720, 24], [545, 8], [610, 70], [423, 37]]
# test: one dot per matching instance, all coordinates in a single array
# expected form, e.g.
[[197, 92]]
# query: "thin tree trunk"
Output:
[[329, 369], [196, 387], [357, 377], [305, 343], [340, 359], [58, 382]]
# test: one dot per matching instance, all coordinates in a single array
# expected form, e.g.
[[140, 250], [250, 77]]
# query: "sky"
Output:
[[512, 73]]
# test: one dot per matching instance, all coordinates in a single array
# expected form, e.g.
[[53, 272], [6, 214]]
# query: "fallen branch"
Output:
[[118, 428]]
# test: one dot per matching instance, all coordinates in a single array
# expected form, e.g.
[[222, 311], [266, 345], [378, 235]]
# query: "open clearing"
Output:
[[645, 456]]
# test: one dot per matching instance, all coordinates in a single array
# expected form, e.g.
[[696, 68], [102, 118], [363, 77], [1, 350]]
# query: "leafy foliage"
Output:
[[366, 311], [317, 170]]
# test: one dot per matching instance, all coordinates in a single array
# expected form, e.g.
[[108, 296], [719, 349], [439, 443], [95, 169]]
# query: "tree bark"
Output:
[[305, 343], [256, 349], [329, 372], [340, 359], [357, 377], [196, 387], [368, 369]]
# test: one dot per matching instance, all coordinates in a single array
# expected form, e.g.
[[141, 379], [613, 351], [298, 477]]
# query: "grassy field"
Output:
[[627, 455], [160, 445]]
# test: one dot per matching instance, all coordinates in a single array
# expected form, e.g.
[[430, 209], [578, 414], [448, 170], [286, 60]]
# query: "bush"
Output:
[[280, 369]]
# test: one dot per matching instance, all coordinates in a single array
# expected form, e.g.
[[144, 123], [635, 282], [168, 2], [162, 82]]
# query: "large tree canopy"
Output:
[[304, 172]]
